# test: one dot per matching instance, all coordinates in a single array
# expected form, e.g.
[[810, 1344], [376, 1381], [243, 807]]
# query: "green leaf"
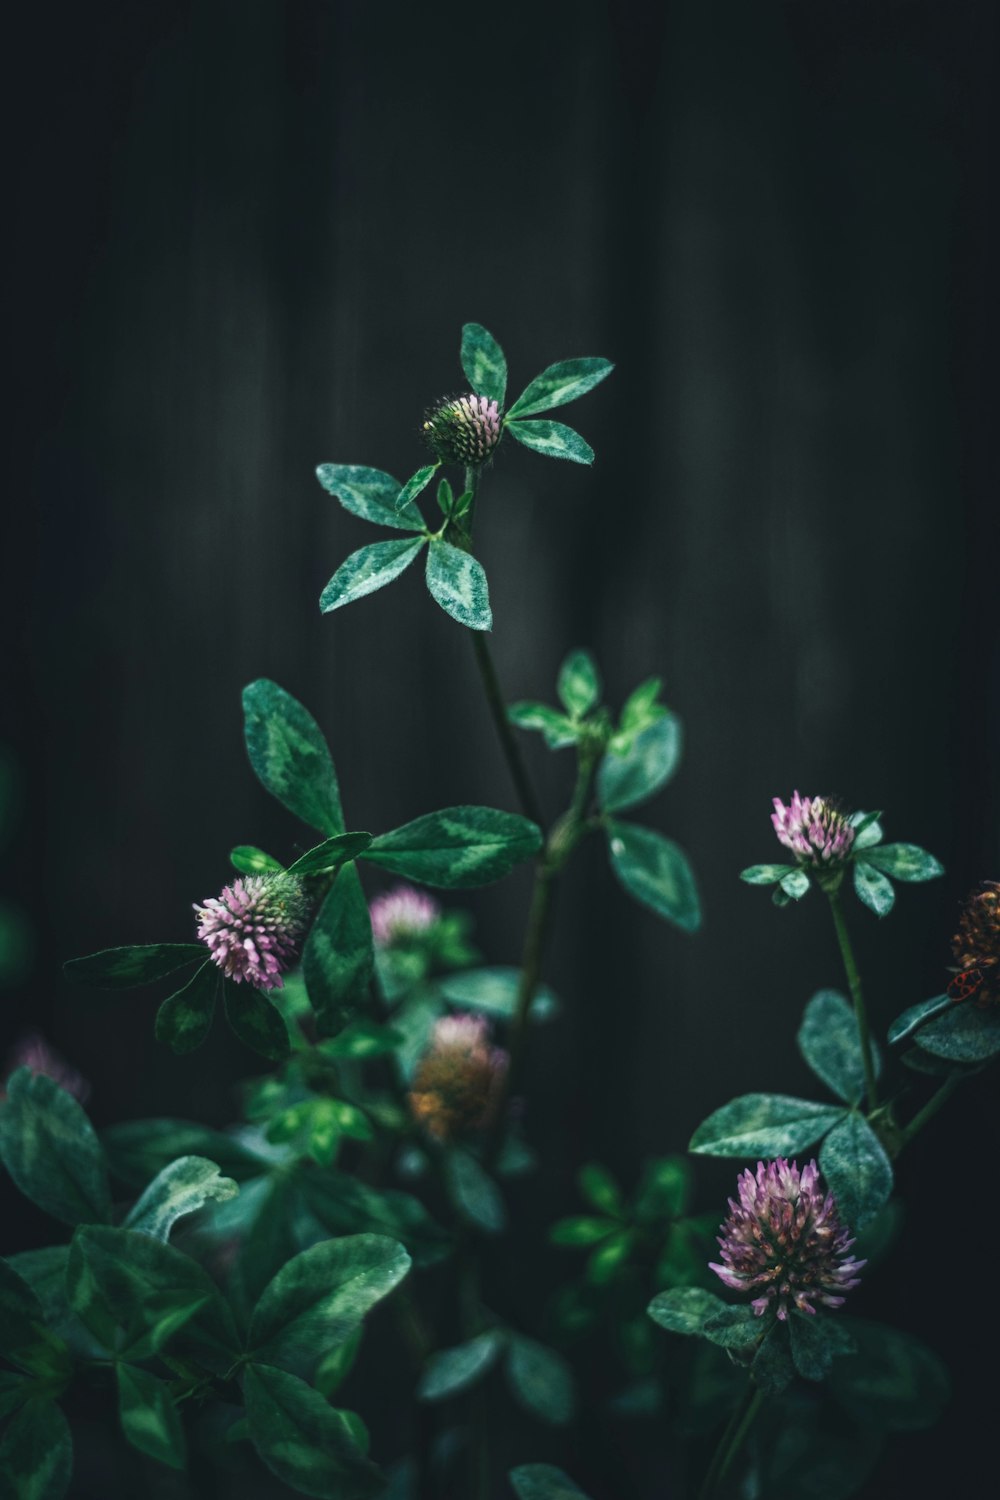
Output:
[[868, 830], [303, 1440], [966, 1033], [473, 1192], [582, 1230], [339, 956], [600, 1189], [553, 439], [257, 1023], [250, 860], [290, 756], [764, 1125], [909, 1020], [180, 1188], [342, 1205], [905, 862], [733, 1327], [414, 486], [772, 1367], [366, 570], [331, 854], [495, 991], [22, 1319], [664, 1189], [319, 1298], [36, 1454], [559, 383], [873, 889], [44, 1271], [816, 1342], [857, 1170], [796, 885], [15, 1390], [579, 684], [543, 1482], [50, 1149], [684, 1309], [458, 847], [893, 1381], [127, 968], [656, 872], [449, 1371], [370, 494], [334, 1368], [363, 1039], [540, 1379], [557, 731], [148, 1416], [766, 874], [457, 582], [828, 1040], [119, 1278], [184, 1019], [609, 1257], [626, 780], [138, 1149], [484, 363]]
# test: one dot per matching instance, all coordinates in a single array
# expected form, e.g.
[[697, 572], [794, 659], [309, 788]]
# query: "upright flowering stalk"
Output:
[[463, 429], [402, 913], [254, 929], [814, 829], [458, 1084], [784, 1240], [976, 947]]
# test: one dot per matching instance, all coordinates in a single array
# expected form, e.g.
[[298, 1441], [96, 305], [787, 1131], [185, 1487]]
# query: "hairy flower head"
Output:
[[401, 913], [814, 829], [254, 929], [784, 1239], [463, 429], [459, 1080], [976, 944]]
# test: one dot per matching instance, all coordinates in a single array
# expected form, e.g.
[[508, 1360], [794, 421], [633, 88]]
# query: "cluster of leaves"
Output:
[[455, 579], [122, 1302], [872, 863], [948, 1037], [635, 759], [456, 848]]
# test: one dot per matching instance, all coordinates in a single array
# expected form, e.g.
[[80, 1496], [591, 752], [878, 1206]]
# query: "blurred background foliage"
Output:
[[244, 237]]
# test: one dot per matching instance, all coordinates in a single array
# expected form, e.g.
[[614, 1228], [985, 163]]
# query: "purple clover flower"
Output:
[[784, 1237], [459, 1081], [814, 829], [32, 1051], [463, 429], [253, 930], [401, 913]]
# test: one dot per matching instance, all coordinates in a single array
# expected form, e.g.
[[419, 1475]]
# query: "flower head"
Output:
[[976, 944], [459, 1080], [404, 912], [32, 1051], [784, 1237], [814, 829], [463, 429], [254, 928]]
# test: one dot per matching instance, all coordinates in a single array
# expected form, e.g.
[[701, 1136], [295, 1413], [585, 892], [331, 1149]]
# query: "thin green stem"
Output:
[[930, 1109], [857, 996], [732, 1440], [508, 744]]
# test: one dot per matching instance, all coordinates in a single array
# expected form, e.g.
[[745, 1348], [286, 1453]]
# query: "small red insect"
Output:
[[965, 984]]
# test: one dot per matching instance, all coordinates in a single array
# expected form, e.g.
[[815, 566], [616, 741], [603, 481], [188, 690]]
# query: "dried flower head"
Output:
[[459, 1080], [401, 913], [976, 945], [32, 1051], [463, 429], [254, 929], [784, 1238], [814, 829]]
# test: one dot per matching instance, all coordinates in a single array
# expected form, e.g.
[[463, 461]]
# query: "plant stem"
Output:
[[930, 1109], [854, 985], [732, 1440]]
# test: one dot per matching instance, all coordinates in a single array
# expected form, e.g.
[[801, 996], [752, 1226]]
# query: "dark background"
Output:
[[243, 238]]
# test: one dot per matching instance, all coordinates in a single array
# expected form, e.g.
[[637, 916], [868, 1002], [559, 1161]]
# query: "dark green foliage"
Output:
[[893, 1381], [907, 1022], [49, 1148], [857, 1169], [484, 363], [148, 1416], [764, 1125], [370, 494], [448, 1372], [633, 775], [553, 439], [558, 384], [184, 1019], [965, 1033], [458, 583], [303, 1440], [331, 854], [829, 1042], [290, 756], [540, 1379], [127, 968], [36, 1454], [257, 1023], [543, 1482], [338, 958], [458, 847], [366, 570], [656, 872]]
